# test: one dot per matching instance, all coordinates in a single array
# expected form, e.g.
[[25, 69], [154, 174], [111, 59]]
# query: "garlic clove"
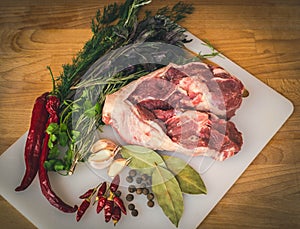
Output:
[[103, 144], [117, 166], [102, 155], [101, 159]]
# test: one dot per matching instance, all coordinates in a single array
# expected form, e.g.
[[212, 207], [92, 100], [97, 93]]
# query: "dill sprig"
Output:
[[109, 35]]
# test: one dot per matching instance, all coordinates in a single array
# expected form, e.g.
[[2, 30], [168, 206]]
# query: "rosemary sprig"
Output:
[[213, 53]]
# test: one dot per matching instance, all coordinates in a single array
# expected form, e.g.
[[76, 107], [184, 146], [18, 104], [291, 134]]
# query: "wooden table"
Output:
[[261, 36]]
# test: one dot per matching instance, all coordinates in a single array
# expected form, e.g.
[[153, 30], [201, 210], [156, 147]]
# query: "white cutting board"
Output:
[[259, 118]]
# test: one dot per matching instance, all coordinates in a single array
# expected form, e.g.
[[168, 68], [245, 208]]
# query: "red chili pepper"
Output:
[[101, 190], [108, 210], [87, 194], [82, 209], [116, 215], [101, 203], [115, 184], [52, 108], [119, 202], [34, 141]]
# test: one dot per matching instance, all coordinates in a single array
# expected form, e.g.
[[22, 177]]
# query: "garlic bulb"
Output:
[[103, 152]]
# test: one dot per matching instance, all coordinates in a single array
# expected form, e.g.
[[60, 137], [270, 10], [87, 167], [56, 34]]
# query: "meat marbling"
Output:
[[184, 109]]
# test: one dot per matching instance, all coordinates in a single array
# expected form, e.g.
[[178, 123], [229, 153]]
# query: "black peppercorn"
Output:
[[150, 196], [131, 207], [150, 203], [132, 173], [129, 197], [134, 212], [129, 179]]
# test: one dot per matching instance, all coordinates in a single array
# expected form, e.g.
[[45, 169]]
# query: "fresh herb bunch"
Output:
[[116, 26]]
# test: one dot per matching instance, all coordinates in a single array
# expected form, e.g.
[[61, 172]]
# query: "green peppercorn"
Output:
[[139, 191], [150, 196], [134, 212], [132, 173], [131, 207], [131, 188], [129, 179], [150, 203], [145, 191], [129, 197]]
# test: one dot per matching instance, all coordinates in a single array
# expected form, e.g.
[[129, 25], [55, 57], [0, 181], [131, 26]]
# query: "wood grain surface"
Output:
[[261, 36]]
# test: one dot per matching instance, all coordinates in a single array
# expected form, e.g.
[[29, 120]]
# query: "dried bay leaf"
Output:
[[141, 158], [188, 178], [168, 194]]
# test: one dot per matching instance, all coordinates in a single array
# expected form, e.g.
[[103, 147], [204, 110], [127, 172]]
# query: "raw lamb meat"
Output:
[[183, 109]]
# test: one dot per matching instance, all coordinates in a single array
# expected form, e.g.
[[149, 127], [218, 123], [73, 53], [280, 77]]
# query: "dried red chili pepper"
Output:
[[52, 106], [87, 194], [101, 204], [115, 184], [119, 202], [116, 215], [82, 209], [108, 210], [34, 141], [101, 190]]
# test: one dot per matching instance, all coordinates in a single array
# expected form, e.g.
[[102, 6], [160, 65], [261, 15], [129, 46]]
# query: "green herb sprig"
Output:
[[117, 25]]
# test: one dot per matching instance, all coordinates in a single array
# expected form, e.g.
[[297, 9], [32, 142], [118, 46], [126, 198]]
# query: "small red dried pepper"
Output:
[[82, 209], [101, 204], [101, 197], [87, 194], [115, 184], [52, 106], [119, 202], [34, 141], [116, 215], [108, 210], [101, 190]]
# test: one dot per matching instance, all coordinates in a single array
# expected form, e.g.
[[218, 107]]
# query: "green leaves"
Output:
[[168, 194], [171, 177], [58, 139], [188, 178], [141, 157]]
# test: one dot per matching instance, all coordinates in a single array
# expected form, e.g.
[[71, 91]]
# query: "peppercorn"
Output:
[[139, 191], [138, 180], [145, 191], [148, 182], [150, 196], [129, 179], [131, 188], [132, 173], [131, 207], [150, 203], [118, 193], [134, 212], [129, 197], [144, 177]]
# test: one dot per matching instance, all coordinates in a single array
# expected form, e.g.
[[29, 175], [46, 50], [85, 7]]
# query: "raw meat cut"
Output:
[[183, 109]]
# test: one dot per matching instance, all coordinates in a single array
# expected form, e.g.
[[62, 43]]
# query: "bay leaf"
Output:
[[168, 194], [141, 158], [188, 178]]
